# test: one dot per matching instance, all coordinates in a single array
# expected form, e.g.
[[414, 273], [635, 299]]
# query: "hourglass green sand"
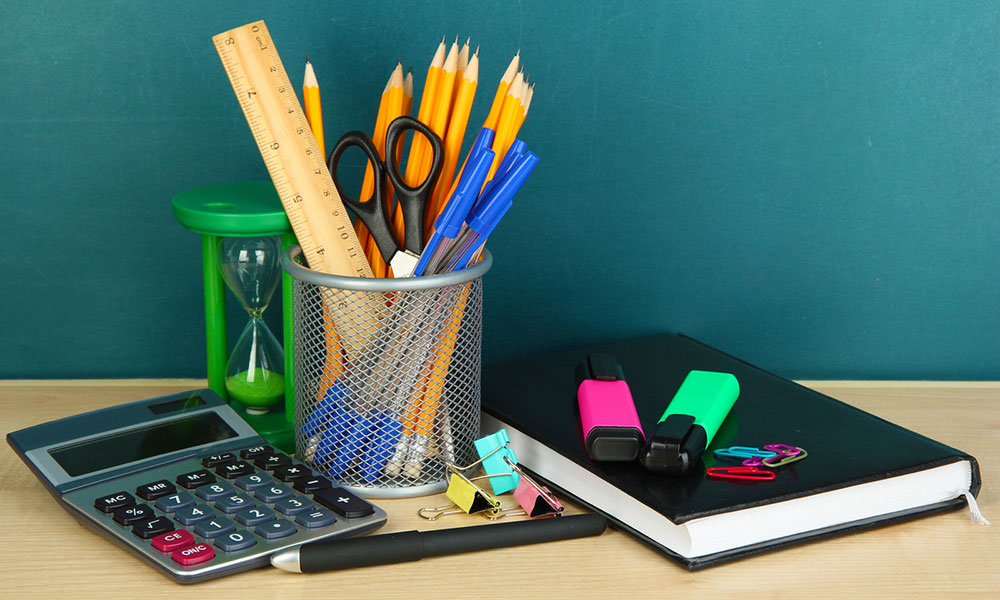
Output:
[[258, 383], [255, 372]]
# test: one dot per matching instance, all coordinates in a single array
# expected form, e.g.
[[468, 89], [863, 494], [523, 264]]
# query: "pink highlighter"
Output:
[[611, 428]]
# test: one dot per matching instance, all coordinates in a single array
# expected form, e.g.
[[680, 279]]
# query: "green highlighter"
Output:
[[690, 422]]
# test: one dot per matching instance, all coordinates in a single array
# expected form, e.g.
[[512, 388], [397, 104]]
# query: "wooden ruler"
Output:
[[289, 149]]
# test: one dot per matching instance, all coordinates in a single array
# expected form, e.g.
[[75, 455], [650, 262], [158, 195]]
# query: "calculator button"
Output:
[[214, 490], [254, 481], [113, 502], [255, 515], [214, 527], [231, 504], [292, 472], [152, 491], [168, 542], [175, 501], [294, 506], [195, 479], [132, 514], [194, 514], [309, 485], [194, 555], [343, 503], [234, 469], [255, 451], [320, 517], [272, 493], [237, 540], [217, 459], [153, 527], [270, 462], [276, 529]]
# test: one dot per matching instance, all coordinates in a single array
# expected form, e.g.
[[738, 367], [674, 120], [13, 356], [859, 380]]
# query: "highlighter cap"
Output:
[[690, 422], [608, 419]]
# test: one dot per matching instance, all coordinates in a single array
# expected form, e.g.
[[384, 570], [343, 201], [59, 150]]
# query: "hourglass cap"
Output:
[[250, 208]]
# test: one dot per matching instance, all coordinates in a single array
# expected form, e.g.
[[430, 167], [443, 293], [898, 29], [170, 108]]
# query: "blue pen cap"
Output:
[[516, 151], [485, 216], [457, 209]]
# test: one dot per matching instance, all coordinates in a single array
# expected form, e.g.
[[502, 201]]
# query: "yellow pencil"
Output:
[[417, 147], [313, 107], [508, 77], [442, 105], [466, 92]]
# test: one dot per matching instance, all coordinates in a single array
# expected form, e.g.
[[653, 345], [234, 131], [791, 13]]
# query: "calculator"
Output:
[[188, 485]]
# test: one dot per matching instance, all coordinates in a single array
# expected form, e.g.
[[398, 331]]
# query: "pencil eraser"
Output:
[[610, 424]]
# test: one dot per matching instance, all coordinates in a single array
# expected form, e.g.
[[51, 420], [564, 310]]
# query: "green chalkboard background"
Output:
[[812, 186]]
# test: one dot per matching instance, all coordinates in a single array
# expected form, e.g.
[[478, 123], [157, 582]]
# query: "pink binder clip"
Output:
[[536, 500]]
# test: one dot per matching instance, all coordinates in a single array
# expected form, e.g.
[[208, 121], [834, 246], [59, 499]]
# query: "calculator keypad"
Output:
[[202, 518]]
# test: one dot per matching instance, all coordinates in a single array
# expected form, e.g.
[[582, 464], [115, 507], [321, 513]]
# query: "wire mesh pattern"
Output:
[[387, 384]]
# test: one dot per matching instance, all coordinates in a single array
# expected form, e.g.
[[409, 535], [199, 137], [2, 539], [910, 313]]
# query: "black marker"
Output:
[[405, 546]]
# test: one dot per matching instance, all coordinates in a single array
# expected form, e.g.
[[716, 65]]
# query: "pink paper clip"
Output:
[[754, 461], [751, 473]]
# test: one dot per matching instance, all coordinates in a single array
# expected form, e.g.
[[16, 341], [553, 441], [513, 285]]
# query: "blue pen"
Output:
[[516, 150], [487, 213], [449, 222]]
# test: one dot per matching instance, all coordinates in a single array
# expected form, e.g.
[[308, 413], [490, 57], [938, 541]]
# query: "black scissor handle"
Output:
[[371, 211], [412, 200]]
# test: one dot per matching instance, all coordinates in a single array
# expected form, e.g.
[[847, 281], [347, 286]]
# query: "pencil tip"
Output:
[[307, 58], [443, 38], [468, 40], [477, 50]]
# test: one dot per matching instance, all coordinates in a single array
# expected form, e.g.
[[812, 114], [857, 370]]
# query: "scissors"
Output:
[[412, 200]]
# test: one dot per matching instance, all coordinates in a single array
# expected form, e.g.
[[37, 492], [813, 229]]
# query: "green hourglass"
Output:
[[244, 211], [255, 370]]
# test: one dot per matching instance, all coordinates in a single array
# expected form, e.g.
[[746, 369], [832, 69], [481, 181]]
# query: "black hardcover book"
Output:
[[860, 471]]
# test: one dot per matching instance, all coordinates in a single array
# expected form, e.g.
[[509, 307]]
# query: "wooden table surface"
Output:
[[47, 553]]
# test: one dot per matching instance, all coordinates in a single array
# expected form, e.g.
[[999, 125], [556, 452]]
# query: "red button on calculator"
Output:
[[168, 542], [194, 555]]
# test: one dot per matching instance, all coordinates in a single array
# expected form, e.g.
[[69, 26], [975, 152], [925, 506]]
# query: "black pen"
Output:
[[389, 548]]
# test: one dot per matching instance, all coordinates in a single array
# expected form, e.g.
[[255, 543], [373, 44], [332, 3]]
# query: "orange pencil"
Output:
[[442, 105], [512, 108], [368, 183], [508, 77], [463, 64], [453, 141], [417, 146], [313, 108], [408, 92]]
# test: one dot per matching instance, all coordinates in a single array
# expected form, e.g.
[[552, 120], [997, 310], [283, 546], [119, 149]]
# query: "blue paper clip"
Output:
[[743, 452]]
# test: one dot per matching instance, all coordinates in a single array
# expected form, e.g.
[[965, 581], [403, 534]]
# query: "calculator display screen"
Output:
[[143, 442]]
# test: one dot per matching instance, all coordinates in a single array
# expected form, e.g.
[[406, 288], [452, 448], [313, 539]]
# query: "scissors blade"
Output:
[[403, 263]]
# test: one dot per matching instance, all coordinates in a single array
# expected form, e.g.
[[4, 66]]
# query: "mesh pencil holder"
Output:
[[387, 376]]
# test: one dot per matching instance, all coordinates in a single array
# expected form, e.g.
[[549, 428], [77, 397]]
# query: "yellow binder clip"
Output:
[[468, 498]]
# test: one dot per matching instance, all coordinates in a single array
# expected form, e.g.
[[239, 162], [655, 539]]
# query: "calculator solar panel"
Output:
[[183, 481]]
